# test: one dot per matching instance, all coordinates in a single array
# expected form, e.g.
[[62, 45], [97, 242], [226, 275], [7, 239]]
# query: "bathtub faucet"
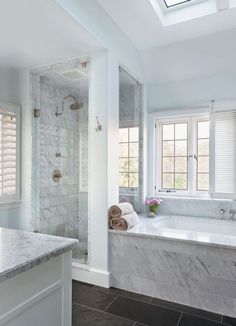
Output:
[[232, 215]]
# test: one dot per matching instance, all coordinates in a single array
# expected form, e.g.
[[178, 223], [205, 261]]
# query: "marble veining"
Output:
[[203, 207], [189, 272], [21, 250]]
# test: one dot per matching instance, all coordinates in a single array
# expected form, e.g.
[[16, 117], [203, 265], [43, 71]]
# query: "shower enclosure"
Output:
[[60, 102], [130, 140]]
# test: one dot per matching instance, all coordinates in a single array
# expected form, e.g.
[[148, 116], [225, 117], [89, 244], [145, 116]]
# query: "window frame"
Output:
[[129, 125], [192, 121], [178, 6], [9, 107]]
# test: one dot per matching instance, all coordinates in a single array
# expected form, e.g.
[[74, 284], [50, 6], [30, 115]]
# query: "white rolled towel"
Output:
[[125, 222], [120, 209]]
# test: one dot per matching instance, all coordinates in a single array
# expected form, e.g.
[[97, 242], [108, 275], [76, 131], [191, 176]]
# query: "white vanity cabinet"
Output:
[[38, 291]]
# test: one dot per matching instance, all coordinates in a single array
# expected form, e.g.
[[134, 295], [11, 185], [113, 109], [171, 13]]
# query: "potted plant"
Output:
[[153, 205]]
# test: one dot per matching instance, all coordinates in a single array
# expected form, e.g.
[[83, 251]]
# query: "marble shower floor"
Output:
[[93, 305]]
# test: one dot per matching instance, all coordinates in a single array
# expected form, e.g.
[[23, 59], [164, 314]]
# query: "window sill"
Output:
[[191, 198], [9, 205]]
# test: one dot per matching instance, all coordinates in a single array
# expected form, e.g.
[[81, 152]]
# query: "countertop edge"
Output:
[[10, 273], [172, 239]]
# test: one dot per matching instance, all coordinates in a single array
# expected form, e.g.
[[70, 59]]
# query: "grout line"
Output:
[[130, 297], [150, 300], [111, 302], [190, 313], [221, 321], [180, 318], [101, 311]]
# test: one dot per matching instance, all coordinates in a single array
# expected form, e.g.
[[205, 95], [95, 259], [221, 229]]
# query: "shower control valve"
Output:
[[56, 175]]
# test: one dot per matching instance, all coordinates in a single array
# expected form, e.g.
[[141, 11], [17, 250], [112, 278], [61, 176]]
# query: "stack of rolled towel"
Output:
[[122, 217]]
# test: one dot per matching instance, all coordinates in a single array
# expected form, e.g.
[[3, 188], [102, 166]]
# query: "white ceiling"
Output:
[[139, 21], [192, 49], [38, 32]]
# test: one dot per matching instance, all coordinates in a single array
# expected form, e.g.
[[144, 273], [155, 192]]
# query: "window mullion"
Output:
[[191, 166]]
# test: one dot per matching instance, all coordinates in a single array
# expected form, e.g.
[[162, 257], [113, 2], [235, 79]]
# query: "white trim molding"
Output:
[[85, 274]]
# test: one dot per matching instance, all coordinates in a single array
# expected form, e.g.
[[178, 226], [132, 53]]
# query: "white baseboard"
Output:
[[83, 273]]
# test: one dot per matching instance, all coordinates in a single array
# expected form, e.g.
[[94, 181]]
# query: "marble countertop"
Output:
[[21, 250]]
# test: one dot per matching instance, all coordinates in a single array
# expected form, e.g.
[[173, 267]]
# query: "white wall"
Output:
[[94, 19], [191, 92], [105, 104], [104, 99]]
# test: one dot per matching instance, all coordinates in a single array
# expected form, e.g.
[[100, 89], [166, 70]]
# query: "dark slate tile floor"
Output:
[[93, 305]]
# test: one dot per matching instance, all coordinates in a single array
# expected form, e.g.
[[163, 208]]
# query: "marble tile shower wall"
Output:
[[197, 207], [61, 212]]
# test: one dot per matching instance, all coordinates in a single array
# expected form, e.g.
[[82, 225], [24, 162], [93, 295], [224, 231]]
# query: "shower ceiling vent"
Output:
[[74, 74]]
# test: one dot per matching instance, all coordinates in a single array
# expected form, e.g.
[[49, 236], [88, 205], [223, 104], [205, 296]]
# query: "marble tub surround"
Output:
[[203, 207], [198, 230], [21, 251], [199, 276]]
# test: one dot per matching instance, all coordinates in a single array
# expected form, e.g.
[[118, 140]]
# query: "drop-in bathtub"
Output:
[[187, 260], [196, 229]]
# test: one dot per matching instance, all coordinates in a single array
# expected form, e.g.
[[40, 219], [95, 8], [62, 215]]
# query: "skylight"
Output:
[[171, 12], [178, 4], [172, 3]]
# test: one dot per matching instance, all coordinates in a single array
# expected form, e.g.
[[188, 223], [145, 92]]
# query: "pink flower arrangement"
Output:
[[153, 201], [153, 204]]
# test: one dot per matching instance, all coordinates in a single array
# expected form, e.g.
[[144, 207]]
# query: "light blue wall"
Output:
[[104, 104], [96, 21], [10, 218], [9, 91], [192, 92]]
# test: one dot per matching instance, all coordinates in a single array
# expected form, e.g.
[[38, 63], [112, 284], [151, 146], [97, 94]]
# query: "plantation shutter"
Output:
[[8, 154], [223, 151]]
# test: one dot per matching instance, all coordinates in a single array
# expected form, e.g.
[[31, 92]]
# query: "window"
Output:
[[129, 157], [202, 156], [9, 153], [171, 3], [174, 156], [183, 156], [178, 4], [223, 171], [196, 155]]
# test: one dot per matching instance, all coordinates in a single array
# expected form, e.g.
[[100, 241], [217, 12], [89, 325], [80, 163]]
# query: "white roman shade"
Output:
[[9, 153], [223, 151]]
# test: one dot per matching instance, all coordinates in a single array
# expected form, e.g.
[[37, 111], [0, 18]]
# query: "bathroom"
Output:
[[118, 163]]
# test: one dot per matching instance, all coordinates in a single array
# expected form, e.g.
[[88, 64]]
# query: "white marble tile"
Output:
[[187, 273]]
